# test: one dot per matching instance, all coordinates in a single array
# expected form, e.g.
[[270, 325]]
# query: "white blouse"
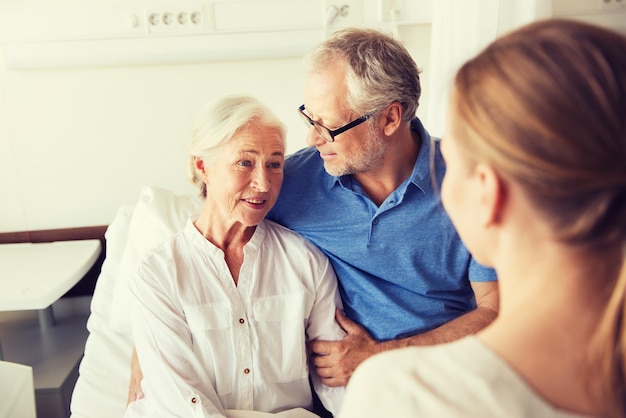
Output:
[[464, 378], [206, 345]]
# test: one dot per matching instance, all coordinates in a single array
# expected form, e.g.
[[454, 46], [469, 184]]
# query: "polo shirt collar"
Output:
[[421, 171]]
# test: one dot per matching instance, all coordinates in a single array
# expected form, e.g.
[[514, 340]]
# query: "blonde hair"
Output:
[[220, 122], [546, 106]]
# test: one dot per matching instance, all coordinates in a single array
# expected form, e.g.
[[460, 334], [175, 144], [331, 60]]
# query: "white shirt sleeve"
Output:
[[164, 345], [323, 326]]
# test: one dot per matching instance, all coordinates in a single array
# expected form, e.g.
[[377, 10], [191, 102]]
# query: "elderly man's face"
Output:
[[244, 179], [358, 150]]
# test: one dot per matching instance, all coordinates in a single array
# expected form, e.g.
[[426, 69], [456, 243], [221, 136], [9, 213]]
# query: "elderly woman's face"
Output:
[[244, 179]]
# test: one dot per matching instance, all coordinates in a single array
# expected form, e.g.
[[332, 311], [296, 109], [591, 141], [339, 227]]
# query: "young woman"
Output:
[[535, 148]]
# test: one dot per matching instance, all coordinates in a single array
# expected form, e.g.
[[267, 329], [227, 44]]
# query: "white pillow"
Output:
[[104, 373], [116, 237], [158, 215]]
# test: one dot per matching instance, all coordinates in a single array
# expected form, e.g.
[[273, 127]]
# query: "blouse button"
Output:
[[241, 320], [246, 371], [194, 400]]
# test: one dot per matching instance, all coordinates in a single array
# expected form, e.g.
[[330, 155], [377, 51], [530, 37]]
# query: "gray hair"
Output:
[[220, 122], [379, 69]]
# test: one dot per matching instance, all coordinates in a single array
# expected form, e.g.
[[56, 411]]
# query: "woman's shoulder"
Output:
[[289, 239], [161, 260], [283, 232], [461, 378]]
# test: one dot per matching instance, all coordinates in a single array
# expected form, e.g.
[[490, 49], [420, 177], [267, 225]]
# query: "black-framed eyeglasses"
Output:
[[327, 134]]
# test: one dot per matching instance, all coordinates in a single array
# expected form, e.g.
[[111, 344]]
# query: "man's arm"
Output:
[[487, 303], [335, 361]]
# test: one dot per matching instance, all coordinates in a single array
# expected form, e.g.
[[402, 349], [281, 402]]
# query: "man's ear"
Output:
[[392, 117], [493, 195]]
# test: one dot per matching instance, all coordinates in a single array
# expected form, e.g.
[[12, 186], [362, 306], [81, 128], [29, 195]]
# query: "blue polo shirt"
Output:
[[401, 266]]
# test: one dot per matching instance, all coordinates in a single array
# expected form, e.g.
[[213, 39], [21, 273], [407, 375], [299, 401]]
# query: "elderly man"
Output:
[[365, 191]]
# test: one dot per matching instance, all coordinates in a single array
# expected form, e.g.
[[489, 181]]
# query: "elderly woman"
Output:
[[224, 309], [535, 149]]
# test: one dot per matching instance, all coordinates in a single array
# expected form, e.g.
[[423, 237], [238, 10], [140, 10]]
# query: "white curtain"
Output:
[[461, 29]]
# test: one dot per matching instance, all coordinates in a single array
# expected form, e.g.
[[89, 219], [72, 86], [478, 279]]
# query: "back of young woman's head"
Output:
[[546, 107], [220, 122]]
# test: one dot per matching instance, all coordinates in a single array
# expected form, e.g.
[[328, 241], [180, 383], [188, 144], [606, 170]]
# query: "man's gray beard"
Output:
[[369, 157]]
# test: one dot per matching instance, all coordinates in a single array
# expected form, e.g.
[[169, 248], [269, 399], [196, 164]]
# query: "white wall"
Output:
[[75, 144]]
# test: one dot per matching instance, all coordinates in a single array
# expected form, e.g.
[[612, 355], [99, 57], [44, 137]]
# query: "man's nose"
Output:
[[313, 138]]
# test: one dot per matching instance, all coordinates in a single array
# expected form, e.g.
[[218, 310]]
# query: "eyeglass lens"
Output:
[[323, 132]]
